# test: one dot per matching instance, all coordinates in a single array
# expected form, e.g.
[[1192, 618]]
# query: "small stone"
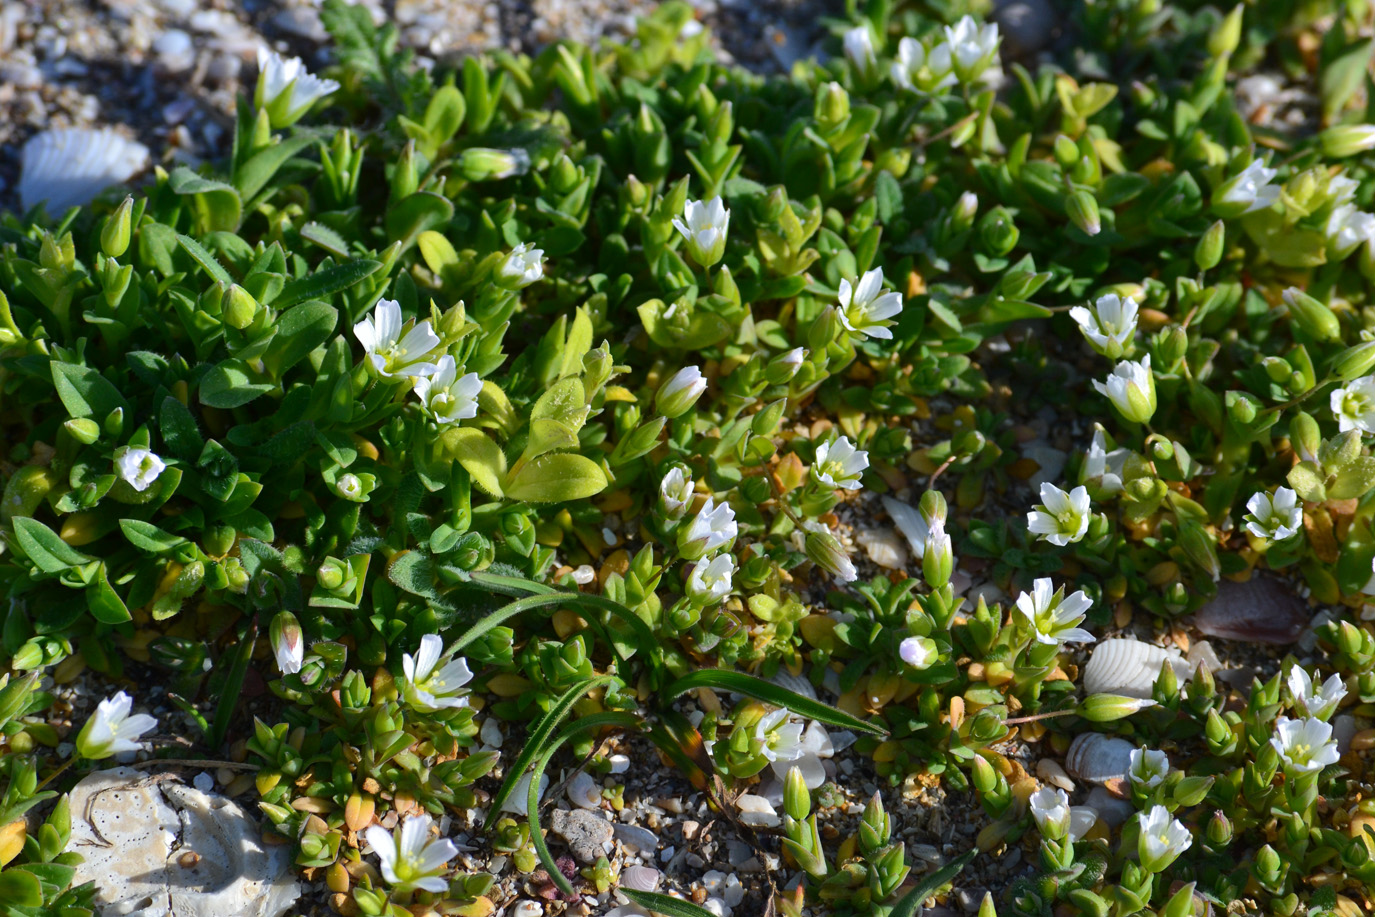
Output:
[[690, 829], [642, 839], [1027, 26], [738, 852], [175, 51], [757, 812], [301, 21], [586, 833], [884, 547], [1260, 610], [526, 909], [203, 782]]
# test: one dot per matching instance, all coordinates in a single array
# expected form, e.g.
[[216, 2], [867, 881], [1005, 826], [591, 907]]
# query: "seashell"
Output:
[[583, 791], [884, 548], [68, 167], [527, 908], [757, 812], [813, 771], [520, 796], [1051, 772], [490, 733], [1097, 758], [641, 878], [1128, 667], [627, 910], [1113, 811], [817, 741], [910, 522], [798, 684], [1201, 652], [1261, 610], [619, 764]]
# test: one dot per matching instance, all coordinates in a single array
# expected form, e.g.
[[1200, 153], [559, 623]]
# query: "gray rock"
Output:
[[586, 833], [1027, 26], [301, 21]]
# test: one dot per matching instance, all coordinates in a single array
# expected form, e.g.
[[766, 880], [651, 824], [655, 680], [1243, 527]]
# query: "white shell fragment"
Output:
[[1097, 758], [884, 547], [910, 522], [1051, 772], [757, 812], [1129, 667], [584, 792], [68, 167], [641, 878], [154, 846]]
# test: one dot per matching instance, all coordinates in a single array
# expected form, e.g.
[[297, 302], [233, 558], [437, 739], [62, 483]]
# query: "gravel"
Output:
[[168, 72]]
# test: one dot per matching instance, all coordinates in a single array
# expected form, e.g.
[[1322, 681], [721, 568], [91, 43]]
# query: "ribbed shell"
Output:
[[1127, 667], [69, 166], [641, 878], [1096, 758]]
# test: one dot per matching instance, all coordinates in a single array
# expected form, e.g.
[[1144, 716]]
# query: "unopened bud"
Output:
[[83, 429], [114, 237], [1347, 140], [239, 307], [484, 164], [797, 801], [1082, 210], [1208, 252], [1354, 362], [1227, 35], [1108, 708], [680, 392], [1315, 318], [822, 549]]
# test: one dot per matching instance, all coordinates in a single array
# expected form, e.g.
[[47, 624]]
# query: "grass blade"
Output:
[[666, 905], [911, 901], [233, 685], [644, 636], [770, 693]]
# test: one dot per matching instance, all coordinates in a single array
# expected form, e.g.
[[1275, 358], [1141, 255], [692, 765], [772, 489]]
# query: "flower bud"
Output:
[[1218, 831], [83, 429], [1208, 252], [677, 395], [797, 802], [239, 307], [998, 232], [1108, 708], [1347, 140], [1173, 346], [288, 642], [1354, 362], [114, 236], [822, 549], [832, 105], [966, 208], [782, 368], [1227, 34], [485, 164], [1316, 319], [825, 330], [330, 575], [675, 492], [1066, 151], [938, 561], [1082, 210]]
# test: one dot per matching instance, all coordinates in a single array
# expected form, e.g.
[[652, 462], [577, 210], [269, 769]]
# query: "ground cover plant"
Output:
[[557, 391]]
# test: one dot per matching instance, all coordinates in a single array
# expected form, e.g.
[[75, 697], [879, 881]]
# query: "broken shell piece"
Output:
[[520, 796], [68, 167], [1051, 772], [757, 812], [1096, 758], [813, 771], [884, 548], [910, 522], [798, 684], [155, 846], [641, 878], [1260, 610], [1112, 810], [584, 792], [1129, 667]]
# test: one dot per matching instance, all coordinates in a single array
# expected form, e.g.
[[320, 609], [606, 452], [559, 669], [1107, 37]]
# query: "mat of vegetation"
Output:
[[468, 428]]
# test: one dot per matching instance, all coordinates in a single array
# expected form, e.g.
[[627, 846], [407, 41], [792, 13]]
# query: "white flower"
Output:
[[938, 556], [112, 730], [428, 690], [911, 522], [390, 353], [680, 392], [349, 486], [1131, 389], [709, 583], [1104, 467], [1053, 616], [839, 464], [1149, 767], [1250, 189], [779, 739], [1060, 517], [410, 857], [1348, 229], [712, 529], [1304, 745], [522, 267], [919, 652], [1162, 839], [972, 47], [139, 468], [704, 226], [1320, 704], [448, 398], [859, 48], [1109, 326], [1342, 189], [286, 89], [864, 308], [675, 491], [1354, 406], [1050, 809], [1274, 517], [917, 71]]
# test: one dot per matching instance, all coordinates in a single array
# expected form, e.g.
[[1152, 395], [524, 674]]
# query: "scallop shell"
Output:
[[69, 166], [1128, 667], [910, 522], [584, 792], [1097, 758], [641, 878]]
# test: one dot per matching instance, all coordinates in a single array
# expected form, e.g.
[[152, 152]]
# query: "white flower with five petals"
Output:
[[1109, 326], [447, 397], [865, 308], [1276, 517], [410, 857], [1053, 616], [112, 730], [1061, 518], [1321, 703], [430, 687], [839, 464], [390, 352]]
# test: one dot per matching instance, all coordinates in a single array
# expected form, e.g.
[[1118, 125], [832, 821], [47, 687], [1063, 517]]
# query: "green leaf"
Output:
[[20, 888], [232, 687], [722, 680], [888, 195], [420, 211], [557, 479], [105, 604], [549, 436], [180, 432], [325, 283], [85, 392], [479, 455], [262, 165], [414, 572], [1011, 310], [204, 259], [217, 205], [912, 901], [564, 401], [666, 905], [45, 548], [578, 344], [1344, 76], [229, 385], [148, 537], [326, 238], [299, 331]]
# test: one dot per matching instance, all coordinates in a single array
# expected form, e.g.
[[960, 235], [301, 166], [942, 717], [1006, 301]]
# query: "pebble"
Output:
[[757, 812], [1027, 26], [175, 51], [302, 22], [203, 782], [526, 909], [587, 834]]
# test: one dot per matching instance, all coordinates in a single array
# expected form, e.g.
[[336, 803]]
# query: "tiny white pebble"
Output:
[[619, 764], [608, 536], [203, 782], [584, 575]]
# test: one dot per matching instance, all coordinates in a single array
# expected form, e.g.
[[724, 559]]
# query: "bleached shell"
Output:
[[1128, 667], [584, 792], [641, 878], [1051, 772], [70, 166], [909, 521], [884, 547], [757, 812], [798, 684], [1097, 758]]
